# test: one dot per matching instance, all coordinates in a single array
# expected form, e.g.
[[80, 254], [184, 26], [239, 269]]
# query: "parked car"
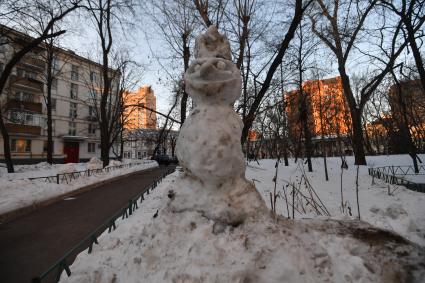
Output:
[[174, 160], [162, 159]]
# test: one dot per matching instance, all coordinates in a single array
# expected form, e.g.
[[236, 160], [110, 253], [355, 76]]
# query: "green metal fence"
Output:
[[395, 175], [71, 176], [62, 264]]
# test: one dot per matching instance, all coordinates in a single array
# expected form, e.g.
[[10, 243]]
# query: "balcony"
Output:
[[24, 105], [23, 129], [34, 63], [26, 83]]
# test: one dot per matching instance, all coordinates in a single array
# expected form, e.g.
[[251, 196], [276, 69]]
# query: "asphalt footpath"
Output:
[[29, 245]]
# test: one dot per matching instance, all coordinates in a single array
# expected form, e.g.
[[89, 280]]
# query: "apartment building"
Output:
[[137, 113], [328, 115], [407, 103], [145, 143], [76, 135]]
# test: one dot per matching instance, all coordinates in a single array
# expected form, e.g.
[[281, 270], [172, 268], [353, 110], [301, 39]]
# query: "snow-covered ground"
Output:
[[402, 212], [17, 191], [187, 246]]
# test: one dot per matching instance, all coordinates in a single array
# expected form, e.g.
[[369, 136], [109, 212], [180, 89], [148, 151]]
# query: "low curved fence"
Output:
[[54, 272], [71, 176], [396, 175]]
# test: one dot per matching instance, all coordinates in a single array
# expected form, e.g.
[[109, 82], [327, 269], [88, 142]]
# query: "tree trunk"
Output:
[[416, 52], [356, 118], [358, 141], [49, 105], [186, 57], [404, 125], [6, 147]]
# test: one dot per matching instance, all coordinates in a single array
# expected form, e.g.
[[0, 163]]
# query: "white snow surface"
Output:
[[17, 191], [184, 244], [402, 212]]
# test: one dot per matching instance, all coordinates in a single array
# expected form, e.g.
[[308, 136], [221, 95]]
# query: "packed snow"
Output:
[[17, 191]]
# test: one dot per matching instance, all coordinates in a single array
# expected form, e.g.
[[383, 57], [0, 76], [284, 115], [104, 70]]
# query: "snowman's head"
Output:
[[212, 78], [213, 81], [212, 44]]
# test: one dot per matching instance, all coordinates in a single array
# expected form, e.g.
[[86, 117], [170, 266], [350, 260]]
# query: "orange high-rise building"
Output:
[[328, 113], [136, 115]]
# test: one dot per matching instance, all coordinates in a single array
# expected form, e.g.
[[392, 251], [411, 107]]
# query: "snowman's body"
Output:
[[208, 144]]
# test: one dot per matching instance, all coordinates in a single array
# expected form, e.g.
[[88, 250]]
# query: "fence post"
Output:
[[57, 179]]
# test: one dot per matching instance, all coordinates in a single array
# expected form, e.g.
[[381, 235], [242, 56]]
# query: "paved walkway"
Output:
[[31, 244]]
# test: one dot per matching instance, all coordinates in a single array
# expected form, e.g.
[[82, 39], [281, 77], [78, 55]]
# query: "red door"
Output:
[[71, 151]]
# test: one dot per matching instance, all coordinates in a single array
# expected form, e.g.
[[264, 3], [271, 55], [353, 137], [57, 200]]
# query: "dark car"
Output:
[[162, 159], [174, 160]]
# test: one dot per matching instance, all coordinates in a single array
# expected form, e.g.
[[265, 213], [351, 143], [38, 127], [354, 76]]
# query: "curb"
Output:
[[13, 214]]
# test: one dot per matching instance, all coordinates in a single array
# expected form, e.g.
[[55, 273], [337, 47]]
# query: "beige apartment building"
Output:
[[76, 133]]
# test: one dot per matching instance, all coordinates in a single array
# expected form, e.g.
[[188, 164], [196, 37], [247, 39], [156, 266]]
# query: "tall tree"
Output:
[[339, 24], [411, 14], [105, 15], [299, 9], [176, 22]]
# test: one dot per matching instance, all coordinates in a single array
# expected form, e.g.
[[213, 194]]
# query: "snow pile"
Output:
[[16, 194], [189, 246], [68, 168], [94, 163], [115, 163], [402, 212]]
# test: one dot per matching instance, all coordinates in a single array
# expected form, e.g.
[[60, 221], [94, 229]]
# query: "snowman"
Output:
[[208, 146]]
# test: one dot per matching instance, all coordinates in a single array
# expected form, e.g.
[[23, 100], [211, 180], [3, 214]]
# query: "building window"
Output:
[[74, 73], [92, 128], [54, 83], [53, 103], [30, 75], [73, 110], [91, 147], [21, 145], [93, 77], [23, 96], [72, 130], [92, 112], [94, 95], [20, 72], [55, 64], [74, 91], [45, 146]]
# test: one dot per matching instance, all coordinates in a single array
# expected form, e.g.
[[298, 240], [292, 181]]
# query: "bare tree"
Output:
[[37, 18], [106, 15], [176, 22], [299, 9], [412, 15], [339, 25]]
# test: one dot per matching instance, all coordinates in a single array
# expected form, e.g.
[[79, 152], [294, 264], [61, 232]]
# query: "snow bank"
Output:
[[16, 194]]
